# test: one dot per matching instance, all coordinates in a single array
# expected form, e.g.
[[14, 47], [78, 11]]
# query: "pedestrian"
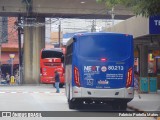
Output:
[[7, 78], [16, 77], [136, 84], [57, 80]]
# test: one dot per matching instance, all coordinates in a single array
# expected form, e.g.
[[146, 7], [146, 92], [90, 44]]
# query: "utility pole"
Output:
[[50, 20], [112, 15], [1, 42], [20, 50], [0, 54], [93, 29], [59, 34]]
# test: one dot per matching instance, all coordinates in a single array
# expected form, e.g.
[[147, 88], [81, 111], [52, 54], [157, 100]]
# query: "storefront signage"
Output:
[[154, 25]]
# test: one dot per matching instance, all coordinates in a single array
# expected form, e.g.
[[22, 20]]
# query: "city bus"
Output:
[[51, 60], [99, 69]]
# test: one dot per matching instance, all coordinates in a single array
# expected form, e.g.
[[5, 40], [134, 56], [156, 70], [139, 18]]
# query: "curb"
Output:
[[135, 109], [138, 110]]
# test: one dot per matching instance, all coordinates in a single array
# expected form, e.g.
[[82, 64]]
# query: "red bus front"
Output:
[[50, 61]]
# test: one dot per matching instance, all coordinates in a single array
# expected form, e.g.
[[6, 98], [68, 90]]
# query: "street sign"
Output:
[[154, 25]]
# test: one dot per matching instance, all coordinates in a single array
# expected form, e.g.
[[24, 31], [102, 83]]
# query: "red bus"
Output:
[[51, 60]]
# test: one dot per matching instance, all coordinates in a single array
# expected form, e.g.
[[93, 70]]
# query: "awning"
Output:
[[5, 59]]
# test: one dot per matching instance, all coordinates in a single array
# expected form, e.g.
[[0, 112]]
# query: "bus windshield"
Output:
[[98, 47]]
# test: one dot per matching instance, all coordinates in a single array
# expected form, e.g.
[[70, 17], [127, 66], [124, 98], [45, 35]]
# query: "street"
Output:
[[32, 98], [43, 98]]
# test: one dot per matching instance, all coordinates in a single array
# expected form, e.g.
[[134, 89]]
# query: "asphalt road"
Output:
[[44, 99]]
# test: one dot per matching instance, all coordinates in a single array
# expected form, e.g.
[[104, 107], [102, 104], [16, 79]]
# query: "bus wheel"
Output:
[[71, 104]]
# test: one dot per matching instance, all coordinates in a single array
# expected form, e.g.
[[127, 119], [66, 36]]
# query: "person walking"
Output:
[[7, 78], [16, 77], [57, 80], [136, 84]]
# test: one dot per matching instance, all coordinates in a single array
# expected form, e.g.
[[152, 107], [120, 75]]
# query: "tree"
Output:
[[140, 7]]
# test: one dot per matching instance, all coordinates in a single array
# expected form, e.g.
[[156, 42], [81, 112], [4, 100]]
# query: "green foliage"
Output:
[[140, 7]]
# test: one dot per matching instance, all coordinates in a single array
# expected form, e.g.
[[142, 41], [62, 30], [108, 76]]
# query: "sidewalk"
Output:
[[147, 102]]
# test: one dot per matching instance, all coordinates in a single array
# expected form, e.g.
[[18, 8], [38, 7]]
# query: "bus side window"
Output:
[[69, 54]]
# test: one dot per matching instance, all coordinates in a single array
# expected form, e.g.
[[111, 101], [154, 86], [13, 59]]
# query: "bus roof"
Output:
[[94, 33], [52, 49]]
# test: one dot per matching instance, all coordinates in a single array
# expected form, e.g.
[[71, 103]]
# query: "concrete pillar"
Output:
[[42, 32], [34, 41], [28, 54], [143, 60]]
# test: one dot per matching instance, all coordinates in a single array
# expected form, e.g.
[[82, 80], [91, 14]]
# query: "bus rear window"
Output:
[[112, 47], [52, 54]]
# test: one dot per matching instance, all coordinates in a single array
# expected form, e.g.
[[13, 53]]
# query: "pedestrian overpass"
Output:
[[61, 8], [37, 10]]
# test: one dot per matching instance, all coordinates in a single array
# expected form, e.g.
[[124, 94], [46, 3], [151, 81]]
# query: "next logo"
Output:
[[91, 68]]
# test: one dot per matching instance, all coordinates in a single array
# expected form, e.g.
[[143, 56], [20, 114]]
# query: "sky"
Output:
[[76, 25]]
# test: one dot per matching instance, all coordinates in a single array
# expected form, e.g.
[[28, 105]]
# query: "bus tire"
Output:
[[71, 104]]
